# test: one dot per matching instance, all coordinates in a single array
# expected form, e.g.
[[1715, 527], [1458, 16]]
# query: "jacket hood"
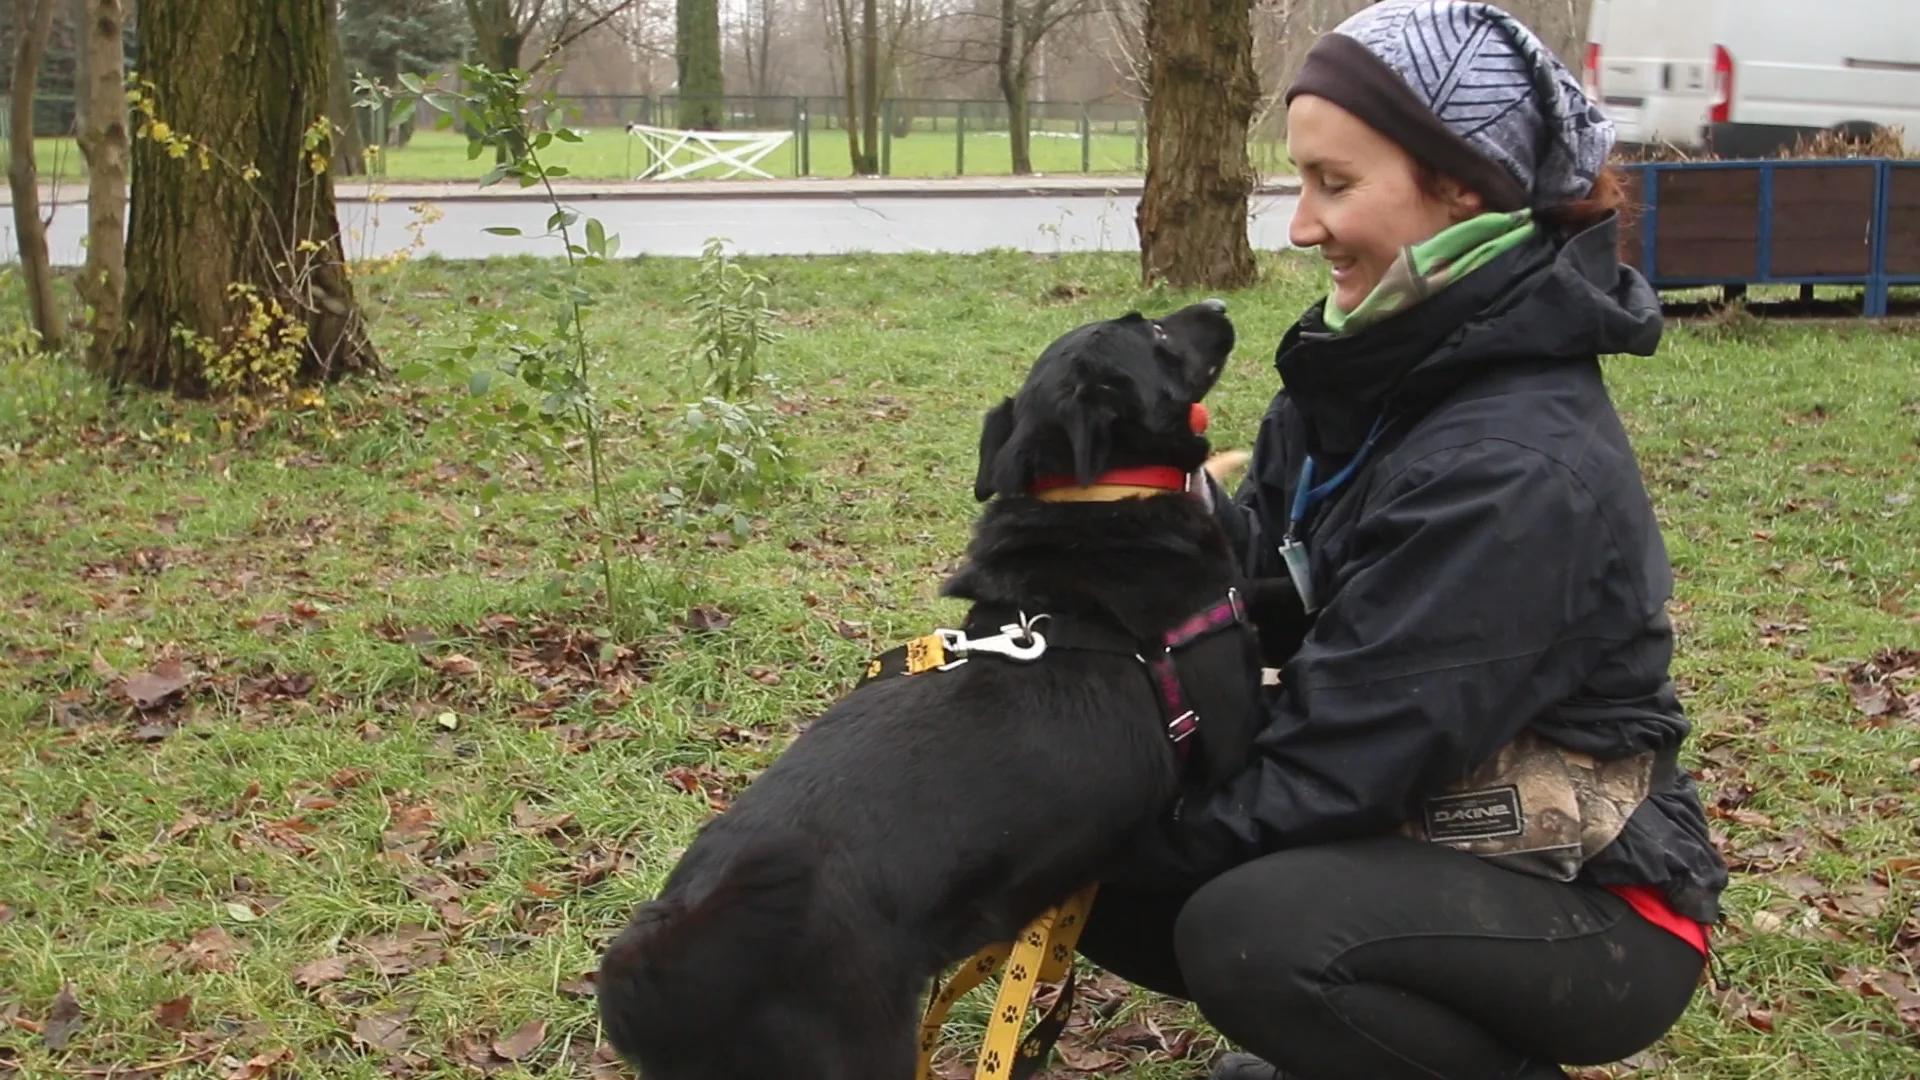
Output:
[[1555, 298]]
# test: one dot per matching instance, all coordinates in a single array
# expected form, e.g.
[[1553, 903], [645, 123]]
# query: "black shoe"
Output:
[[1244, 1067]]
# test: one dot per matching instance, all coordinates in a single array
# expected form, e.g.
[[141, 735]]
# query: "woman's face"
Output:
[[1360, 197]]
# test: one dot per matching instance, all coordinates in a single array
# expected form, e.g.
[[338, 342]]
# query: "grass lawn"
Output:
[[400, 777], [610, 154]]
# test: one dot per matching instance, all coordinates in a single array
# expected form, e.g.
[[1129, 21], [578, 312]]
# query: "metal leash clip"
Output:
[[1015, 641]]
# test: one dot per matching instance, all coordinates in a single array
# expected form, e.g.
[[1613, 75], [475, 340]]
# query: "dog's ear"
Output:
[[1102, 396], [1089, 427], [994, 433]]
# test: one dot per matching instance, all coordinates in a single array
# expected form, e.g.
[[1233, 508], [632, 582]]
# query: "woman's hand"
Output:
[[1226, 465]]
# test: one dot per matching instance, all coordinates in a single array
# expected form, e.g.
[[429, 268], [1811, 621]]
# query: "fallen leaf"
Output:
[[151, 689], [174, 1014], [1897, 987], [260, 1066], [1094, 1059], [1736, 1004], [210, 950], [63, 1019], [407, 949], [384, 1031], [434, 887], [706, 617], [412, 826], [188, 822], [320, 972], [343, 779], [458, 665], [530, 820], [525, 1040]]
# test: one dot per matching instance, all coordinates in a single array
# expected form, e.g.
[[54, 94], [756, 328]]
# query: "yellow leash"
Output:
[[1042, 953]]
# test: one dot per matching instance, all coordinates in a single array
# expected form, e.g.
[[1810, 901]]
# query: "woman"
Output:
[[1446, 482]]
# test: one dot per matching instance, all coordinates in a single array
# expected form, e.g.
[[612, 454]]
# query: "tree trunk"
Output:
[[870, 83], [850, 89], [349, 146], [697, 50], [102, 100], [1202, 92], [32, 21], [260, 218], [1010, 65]]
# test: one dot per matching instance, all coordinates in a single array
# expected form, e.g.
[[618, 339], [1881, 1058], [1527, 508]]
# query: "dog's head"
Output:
[[1108, 395]]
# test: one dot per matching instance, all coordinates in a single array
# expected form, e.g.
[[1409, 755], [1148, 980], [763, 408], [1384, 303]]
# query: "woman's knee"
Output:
[[1249, 940]]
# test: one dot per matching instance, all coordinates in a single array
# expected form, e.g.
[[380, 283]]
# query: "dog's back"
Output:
[[734, 974], [669, 986]]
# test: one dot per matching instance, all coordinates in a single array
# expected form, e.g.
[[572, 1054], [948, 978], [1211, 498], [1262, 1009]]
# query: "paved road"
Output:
[[874, 216]]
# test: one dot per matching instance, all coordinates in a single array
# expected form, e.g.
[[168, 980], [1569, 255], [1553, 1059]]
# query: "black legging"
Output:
[[1390, 958]]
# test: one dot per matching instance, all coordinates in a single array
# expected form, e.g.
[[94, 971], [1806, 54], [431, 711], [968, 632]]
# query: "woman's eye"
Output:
[[1334, 186]]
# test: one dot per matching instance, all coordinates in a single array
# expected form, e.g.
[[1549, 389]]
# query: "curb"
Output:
[[356, 191]]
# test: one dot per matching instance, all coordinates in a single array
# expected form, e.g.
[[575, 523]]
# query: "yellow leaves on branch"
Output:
[[315, 140]]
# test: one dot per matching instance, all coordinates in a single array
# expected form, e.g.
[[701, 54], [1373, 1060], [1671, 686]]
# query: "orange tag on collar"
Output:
[[925, 653]]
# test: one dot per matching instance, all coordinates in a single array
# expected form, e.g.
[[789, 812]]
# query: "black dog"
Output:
[[923, 817]]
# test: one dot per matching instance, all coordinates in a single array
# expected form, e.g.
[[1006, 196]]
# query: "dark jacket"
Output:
[[1493, 564]]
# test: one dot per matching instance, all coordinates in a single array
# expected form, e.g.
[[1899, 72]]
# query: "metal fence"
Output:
[[1104, 136], [918, 136]]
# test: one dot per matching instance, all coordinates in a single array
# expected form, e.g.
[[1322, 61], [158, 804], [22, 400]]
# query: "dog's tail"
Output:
[[684, 969]]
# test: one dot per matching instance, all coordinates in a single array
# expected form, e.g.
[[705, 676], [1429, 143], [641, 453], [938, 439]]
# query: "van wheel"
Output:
[[1858, 132]]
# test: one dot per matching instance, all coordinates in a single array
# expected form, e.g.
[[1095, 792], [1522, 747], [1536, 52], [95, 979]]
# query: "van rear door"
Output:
[[1653, 63]]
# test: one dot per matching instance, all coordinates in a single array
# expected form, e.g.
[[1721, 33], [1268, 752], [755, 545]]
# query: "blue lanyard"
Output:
[[1306, 496]]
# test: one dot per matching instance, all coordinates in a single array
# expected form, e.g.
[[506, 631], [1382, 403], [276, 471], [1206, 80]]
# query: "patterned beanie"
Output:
[[1469, 91]]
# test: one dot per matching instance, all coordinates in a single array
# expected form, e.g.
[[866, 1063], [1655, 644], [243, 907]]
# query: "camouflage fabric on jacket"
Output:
[[1537, 807]]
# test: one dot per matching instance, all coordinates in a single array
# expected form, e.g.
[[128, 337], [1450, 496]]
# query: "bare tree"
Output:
[[102, 100], [859, 46], [1023, 26], [502, 28], [755, 30], [33, 21], [1201, 96]]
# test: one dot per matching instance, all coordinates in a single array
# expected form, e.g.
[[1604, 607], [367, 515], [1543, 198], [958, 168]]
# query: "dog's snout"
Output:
[[1215, 305]]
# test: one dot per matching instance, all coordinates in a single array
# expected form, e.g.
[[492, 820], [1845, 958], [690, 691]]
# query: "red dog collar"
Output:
[[1164, 477]]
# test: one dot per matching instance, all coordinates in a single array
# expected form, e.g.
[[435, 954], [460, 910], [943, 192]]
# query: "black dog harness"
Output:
[[1178, 672]]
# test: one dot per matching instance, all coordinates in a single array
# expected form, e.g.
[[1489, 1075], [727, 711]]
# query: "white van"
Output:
[[1749, 77], [1784, 69], [1649, 65]]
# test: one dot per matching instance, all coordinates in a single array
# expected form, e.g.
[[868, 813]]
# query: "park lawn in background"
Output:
[[399, 778], [611, 154]]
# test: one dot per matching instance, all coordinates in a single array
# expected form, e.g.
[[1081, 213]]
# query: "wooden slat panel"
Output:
[[1830, 255], [1690, 223], [1903, 222], [1710, 187], [1825, 184], [1905, 193], [1903, 246], [1707, 258]]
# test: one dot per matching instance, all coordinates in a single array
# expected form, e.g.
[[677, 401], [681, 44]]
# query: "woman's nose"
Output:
[[1306, 231]]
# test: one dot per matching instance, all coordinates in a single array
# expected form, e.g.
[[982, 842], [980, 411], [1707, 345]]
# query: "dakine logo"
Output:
[[1474, 815]]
